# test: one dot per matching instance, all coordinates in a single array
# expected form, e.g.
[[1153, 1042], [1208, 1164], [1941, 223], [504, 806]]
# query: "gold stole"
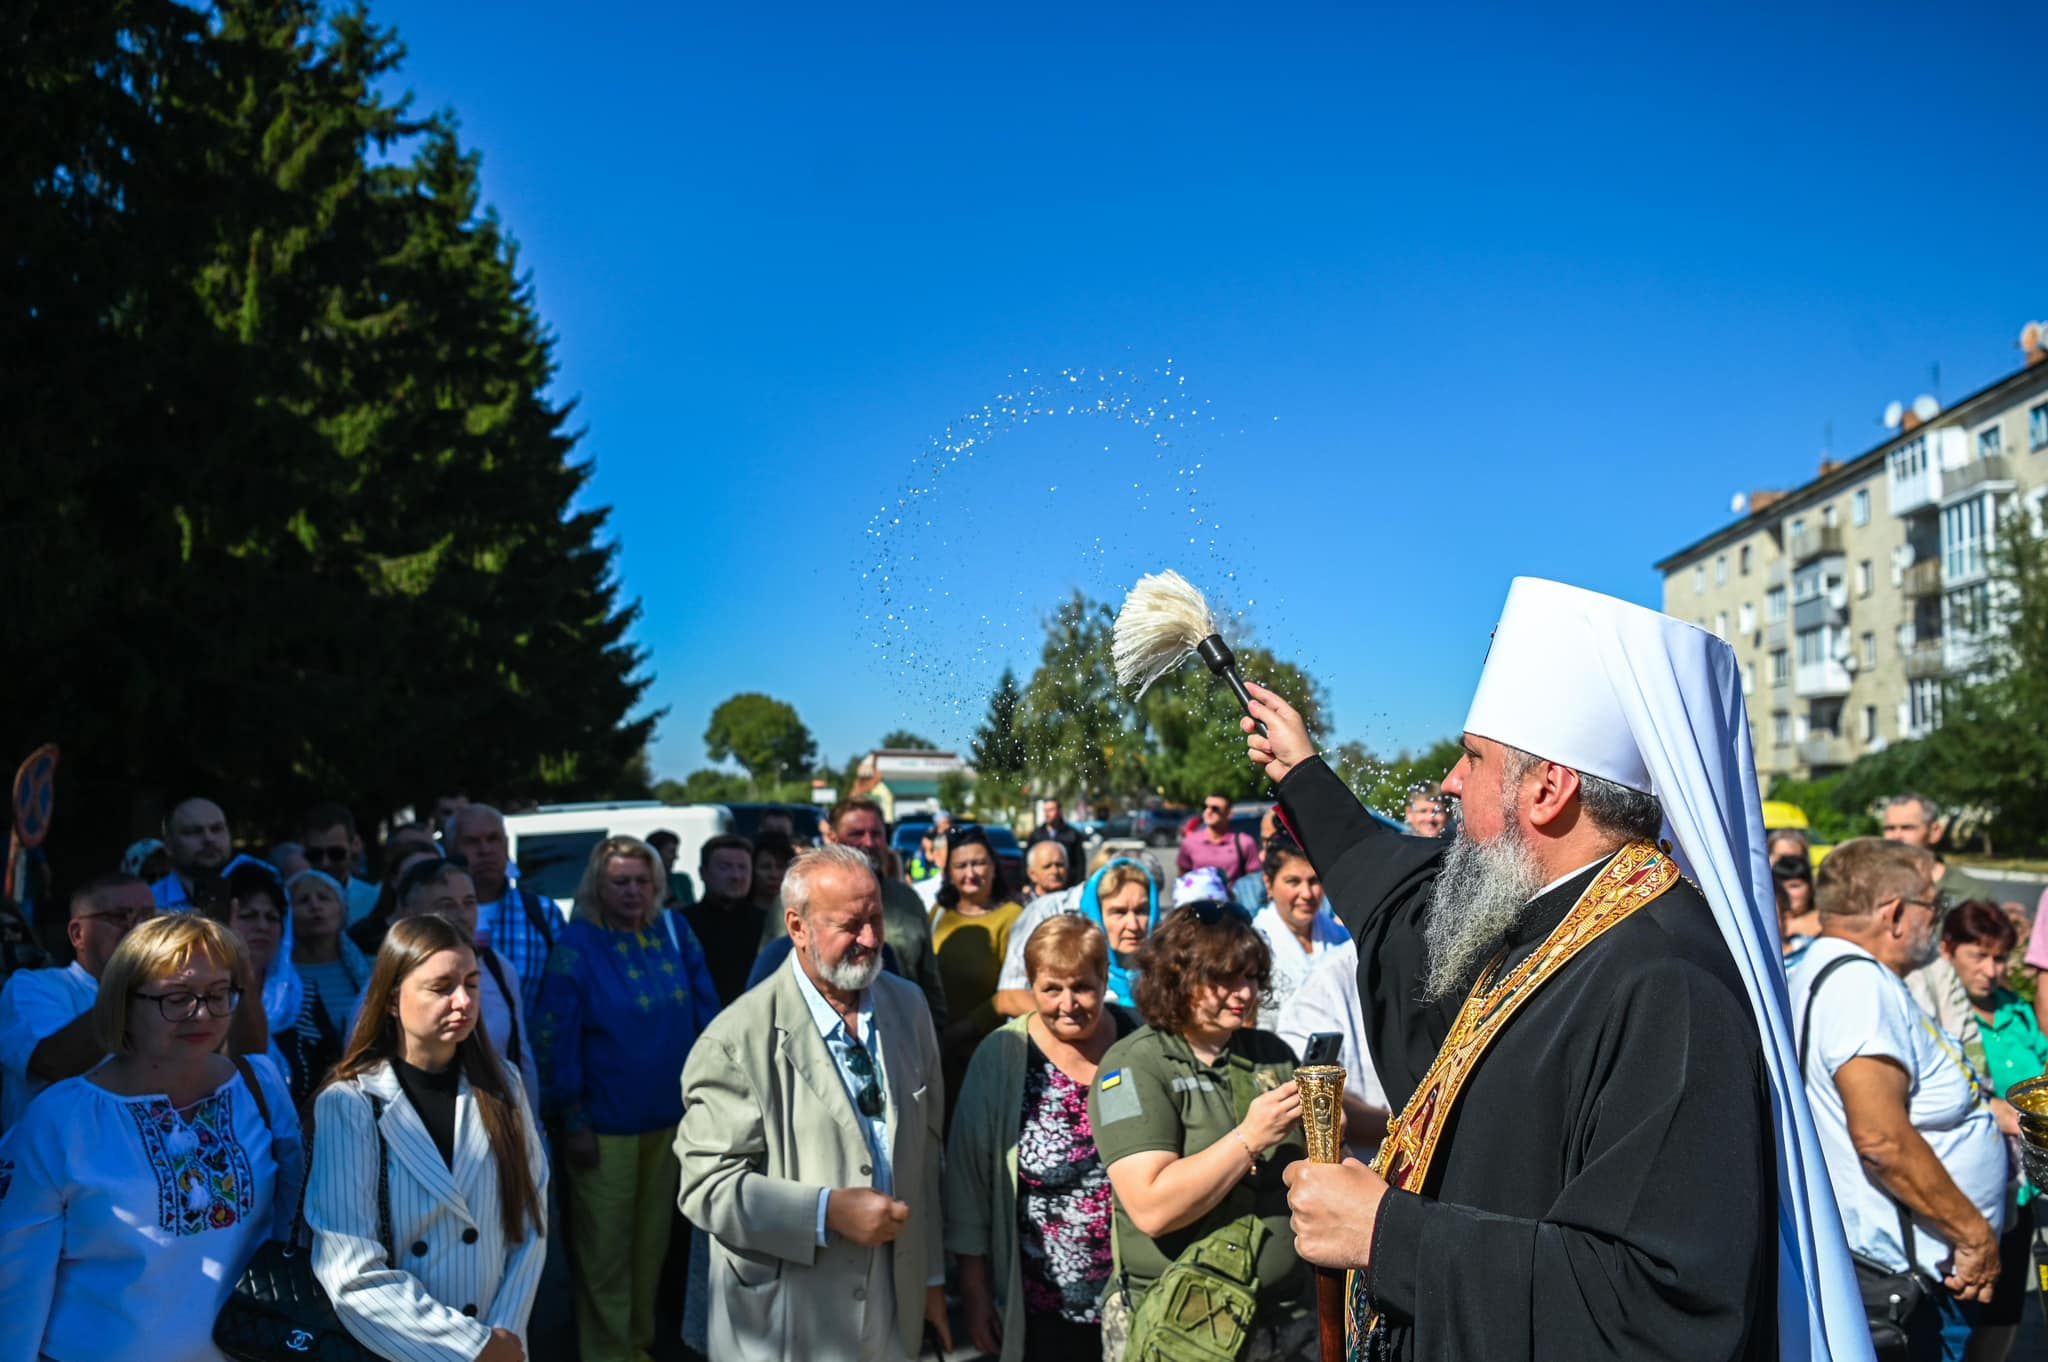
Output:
[[1637, 875]]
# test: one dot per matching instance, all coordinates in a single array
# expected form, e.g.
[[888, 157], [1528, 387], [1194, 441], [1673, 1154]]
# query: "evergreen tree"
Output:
[[997, 749]]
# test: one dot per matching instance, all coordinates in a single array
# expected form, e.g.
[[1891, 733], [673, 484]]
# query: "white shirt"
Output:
[[1327, 1000], [36, 1004], [1035, 912], [1291, 961], [1865, 1010], [124, 1223]]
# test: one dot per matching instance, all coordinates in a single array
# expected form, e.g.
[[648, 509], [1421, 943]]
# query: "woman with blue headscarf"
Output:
[[1121, 897], [331, 972], [304, 1039]]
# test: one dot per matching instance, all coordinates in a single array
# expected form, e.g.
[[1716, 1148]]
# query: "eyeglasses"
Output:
[[177, 1007], [862, 1066], [1931, 905], [1215, 808], [1209, 914], [125, 919], [325, 855]]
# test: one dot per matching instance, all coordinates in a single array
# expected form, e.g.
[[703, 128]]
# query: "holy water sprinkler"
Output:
[[1162, 621]]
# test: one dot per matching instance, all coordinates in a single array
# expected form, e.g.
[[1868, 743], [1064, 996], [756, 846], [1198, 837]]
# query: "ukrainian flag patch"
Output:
[[1116, 1100]]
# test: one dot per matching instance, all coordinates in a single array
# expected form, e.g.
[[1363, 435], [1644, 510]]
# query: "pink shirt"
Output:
[[1237, 854]]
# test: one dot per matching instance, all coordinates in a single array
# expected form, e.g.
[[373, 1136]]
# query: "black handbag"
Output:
[[1890, 1295], [279, 1312]]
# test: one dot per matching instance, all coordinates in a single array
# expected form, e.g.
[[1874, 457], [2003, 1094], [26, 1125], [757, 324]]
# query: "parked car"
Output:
[[1160, 827], [551, 844]]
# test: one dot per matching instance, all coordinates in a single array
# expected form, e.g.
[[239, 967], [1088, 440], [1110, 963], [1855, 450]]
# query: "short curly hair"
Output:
[[1187, 953]]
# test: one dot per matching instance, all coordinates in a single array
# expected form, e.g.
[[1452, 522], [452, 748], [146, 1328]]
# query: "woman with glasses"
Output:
[[1027, 1201], [423, 1136], [1196, 1115], [626, 994], [970, 934], [131, 1197]]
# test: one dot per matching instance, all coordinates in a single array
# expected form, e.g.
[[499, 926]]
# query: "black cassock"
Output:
[[1606, 1186]]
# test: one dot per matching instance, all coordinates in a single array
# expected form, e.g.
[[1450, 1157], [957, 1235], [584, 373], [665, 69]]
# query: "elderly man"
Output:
[[197, 837], [1054, 827], [1910, 1132], [810, 1143], [46, 1030], [857, 823], [519, 925], [1588, 1161], [1045, 868], [1916, 820]]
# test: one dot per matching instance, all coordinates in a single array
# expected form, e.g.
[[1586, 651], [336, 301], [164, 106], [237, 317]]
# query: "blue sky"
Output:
[[1430, 299]]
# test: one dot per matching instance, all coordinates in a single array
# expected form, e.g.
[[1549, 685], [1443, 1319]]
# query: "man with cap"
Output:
[[1602, 1148]]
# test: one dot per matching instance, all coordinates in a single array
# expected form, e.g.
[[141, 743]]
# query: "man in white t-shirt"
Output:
[[46, 1030], [1905, 1122]]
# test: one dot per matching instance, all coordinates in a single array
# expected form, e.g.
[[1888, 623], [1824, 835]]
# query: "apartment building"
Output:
[[1850, 598]]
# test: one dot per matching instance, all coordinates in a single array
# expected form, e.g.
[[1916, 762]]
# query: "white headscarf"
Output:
[[283, 991], [1653, 703]]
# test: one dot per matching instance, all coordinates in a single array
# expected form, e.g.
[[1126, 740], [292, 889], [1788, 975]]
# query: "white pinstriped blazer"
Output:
[[456, 1278]]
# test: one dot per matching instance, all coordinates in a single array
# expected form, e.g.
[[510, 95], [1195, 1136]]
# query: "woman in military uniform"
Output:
[[1195, 1114]]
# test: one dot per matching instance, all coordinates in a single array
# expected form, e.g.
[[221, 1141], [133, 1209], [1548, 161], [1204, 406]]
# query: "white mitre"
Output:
[[1647, 701]]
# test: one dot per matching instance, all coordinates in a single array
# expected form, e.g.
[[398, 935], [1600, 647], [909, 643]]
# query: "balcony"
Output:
[[1777, 572], [1820, 680], [1924, 659], [1824, 750], [1959, 482], [1777, 634], [1923, 578], [1812, 542], [1821, 612]]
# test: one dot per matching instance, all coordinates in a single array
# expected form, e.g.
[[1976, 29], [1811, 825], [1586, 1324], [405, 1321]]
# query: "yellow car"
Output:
[[1778, 814]]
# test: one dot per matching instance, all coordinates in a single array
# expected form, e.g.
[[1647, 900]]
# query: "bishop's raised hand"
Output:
[[1285, 744]]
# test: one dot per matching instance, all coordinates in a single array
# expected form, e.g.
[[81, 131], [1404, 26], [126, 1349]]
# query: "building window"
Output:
[[1859, 507], [2037, 427], [1781, 727], [1797, 529], [1969, 610], [1774, 604], [1866, 577], [1923, 704], [1742, 560], [1869, 650], [1745, 618], [1721, 569], [1748, 677], [1964, 537], [1721, 624], [1813, 647], [1870, 723], [1990, 442], [1827, 515], [1699, 579], [1781, 667]]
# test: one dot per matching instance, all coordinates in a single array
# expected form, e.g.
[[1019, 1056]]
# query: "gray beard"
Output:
[[850, 977], [1482, 892]]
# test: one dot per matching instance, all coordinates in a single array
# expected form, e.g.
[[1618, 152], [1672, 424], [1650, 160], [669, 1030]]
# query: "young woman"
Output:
[[421, 1105], [1027, 1201], [131, 1197], [1297, 925]]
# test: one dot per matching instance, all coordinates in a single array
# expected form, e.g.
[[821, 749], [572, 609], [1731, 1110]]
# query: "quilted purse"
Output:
[[279, 1312]]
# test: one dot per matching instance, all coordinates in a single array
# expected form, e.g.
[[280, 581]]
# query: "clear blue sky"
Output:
[[1447, 297]]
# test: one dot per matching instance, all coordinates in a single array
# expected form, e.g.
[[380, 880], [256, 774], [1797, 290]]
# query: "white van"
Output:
[[552, 844]]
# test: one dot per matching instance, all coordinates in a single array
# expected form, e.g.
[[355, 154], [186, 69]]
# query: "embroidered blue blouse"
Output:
[[619, 1012]]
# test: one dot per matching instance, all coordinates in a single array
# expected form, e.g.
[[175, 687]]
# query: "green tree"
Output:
[[762, 734], [903, 740], [997, 749], [705, 786], [292, 513]]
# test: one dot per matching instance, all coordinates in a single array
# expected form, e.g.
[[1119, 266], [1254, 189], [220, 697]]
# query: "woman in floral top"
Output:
[[131, 1197], [626, 994], [1027, 1201]]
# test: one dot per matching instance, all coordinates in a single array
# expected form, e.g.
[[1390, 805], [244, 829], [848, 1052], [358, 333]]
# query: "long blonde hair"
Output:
[[589, 907], [408, 945]]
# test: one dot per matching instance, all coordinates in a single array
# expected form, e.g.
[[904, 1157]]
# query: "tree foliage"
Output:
[[288, 511], [1077, 731], [1383, 783], [762, 734], [903, 740]]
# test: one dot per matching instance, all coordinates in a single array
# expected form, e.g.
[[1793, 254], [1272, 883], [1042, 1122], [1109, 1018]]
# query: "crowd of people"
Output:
[[811, 1101]]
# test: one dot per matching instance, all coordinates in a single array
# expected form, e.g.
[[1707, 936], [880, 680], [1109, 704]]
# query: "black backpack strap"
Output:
[[1805, 1037], [242, 1067], [384, 1232], [542, 920], [497, 969]]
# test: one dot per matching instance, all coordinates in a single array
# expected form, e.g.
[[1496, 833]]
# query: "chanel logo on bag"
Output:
[[299, 1341]]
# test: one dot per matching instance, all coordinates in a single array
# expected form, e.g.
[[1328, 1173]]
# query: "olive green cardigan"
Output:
[[981, 1166]]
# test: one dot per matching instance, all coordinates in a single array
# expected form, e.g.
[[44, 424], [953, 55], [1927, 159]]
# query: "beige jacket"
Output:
[[767, 1125]]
